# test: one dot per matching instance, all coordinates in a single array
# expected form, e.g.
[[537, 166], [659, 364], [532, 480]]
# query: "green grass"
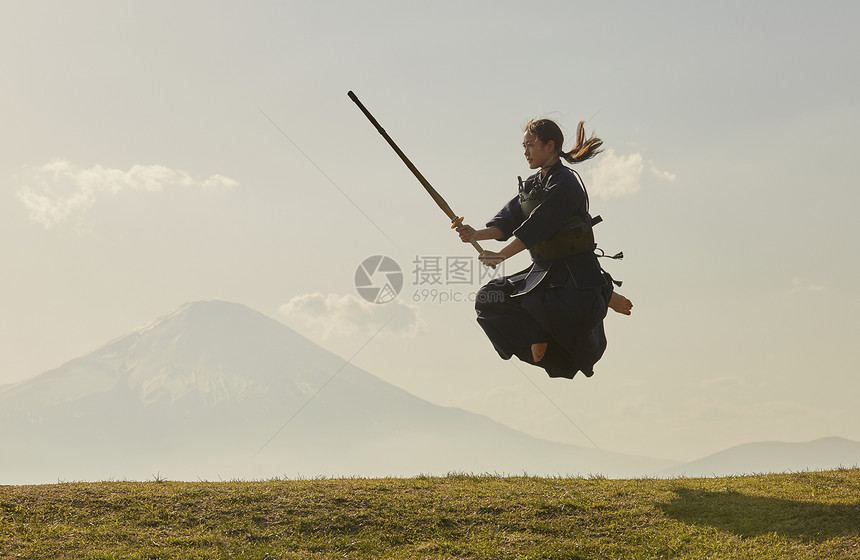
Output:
[[786, 516]]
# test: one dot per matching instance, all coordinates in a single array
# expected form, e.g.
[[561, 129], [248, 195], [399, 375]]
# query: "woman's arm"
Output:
[[492, 258], [468, 233]]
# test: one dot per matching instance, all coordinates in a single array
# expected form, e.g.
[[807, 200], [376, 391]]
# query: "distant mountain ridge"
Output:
[[773, 457], [200, 391]]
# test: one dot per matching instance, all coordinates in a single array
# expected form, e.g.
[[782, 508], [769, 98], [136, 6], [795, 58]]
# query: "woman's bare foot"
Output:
[[538, 351], [620, 304]]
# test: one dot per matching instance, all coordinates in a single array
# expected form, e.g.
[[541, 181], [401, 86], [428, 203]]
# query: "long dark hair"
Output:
[[586, 148]]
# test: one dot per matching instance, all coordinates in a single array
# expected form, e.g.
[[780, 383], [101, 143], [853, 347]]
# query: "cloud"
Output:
[[64, 190], [614, 175], [334, 314], [731, 383], [746, 407], [803, 284], [663, 174]]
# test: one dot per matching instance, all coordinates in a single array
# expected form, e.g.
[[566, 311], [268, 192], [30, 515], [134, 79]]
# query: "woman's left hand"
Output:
[[490, 258]]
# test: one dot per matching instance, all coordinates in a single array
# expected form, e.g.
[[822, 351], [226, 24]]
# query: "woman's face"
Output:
[[537, 153]]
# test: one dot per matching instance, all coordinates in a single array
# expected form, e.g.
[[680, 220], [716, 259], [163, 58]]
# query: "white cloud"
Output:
[[663, 174], [803, 284], [64, 190], [727, 382], [334, 314], [614, 175]]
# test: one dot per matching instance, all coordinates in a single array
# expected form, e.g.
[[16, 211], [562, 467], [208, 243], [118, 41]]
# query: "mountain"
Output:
[[217, 390], [773, 457]]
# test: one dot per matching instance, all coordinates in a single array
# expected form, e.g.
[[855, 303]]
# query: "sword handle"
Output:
[[456, 222], [479, 249]]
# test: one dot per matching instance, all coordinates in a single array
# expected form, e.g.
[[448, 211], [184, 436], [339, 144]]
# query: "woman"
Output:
[[551, 314]]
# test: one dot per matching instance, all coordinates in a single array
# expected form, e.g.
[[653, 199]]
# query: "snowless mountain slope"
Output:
[[774, 456]]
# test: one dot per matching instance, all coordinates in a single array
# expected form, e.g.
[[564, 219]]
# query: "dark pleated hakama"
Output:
[[566, 314]]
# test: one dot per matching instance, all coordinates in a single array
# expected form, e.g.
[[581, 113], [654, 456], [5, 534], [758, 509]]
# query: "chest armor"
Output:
[[531, 194], [573, 238]]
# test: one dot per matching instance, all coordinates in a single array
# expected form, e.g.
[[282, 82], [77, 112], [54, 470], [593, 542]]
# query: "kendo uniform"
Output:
[[562, 298]]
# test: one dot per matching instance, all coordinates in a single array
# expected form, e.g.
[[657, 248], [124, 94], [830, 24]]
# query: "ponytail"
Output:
[[584, 149]]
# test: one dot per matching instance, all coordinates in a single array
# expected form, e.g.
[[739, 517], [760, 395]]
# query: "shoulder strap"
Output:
[[579, 180], [581, 184]]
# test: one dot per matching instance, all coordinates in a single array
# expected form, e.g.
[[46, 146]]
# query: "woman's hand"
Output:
[[491, 258], [466, 232]]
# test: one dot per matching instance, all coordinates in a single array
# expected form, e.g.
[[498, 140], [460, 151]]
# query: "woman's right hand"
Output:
[[466, 232]]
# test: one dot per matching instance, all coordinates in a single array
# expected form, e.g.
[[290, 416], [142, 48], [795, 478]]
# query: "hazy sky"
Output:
[[139, 171]]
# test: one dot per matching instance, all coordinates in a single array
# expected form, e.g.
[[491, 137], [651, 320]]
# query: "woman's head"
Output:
[[538, 153], [545, 134], [546, 131]]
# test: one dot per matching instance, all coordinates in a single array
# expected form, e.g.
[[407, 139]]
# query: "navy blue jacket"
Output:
[[565, 197]]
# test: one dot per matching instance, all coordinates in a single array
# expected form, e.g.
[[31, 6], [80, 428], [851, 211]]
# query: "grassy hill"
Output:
[[785, 516]]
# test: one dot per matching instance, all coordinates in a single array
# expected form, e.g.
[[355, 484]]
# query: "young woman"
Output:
[[551, 314]]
